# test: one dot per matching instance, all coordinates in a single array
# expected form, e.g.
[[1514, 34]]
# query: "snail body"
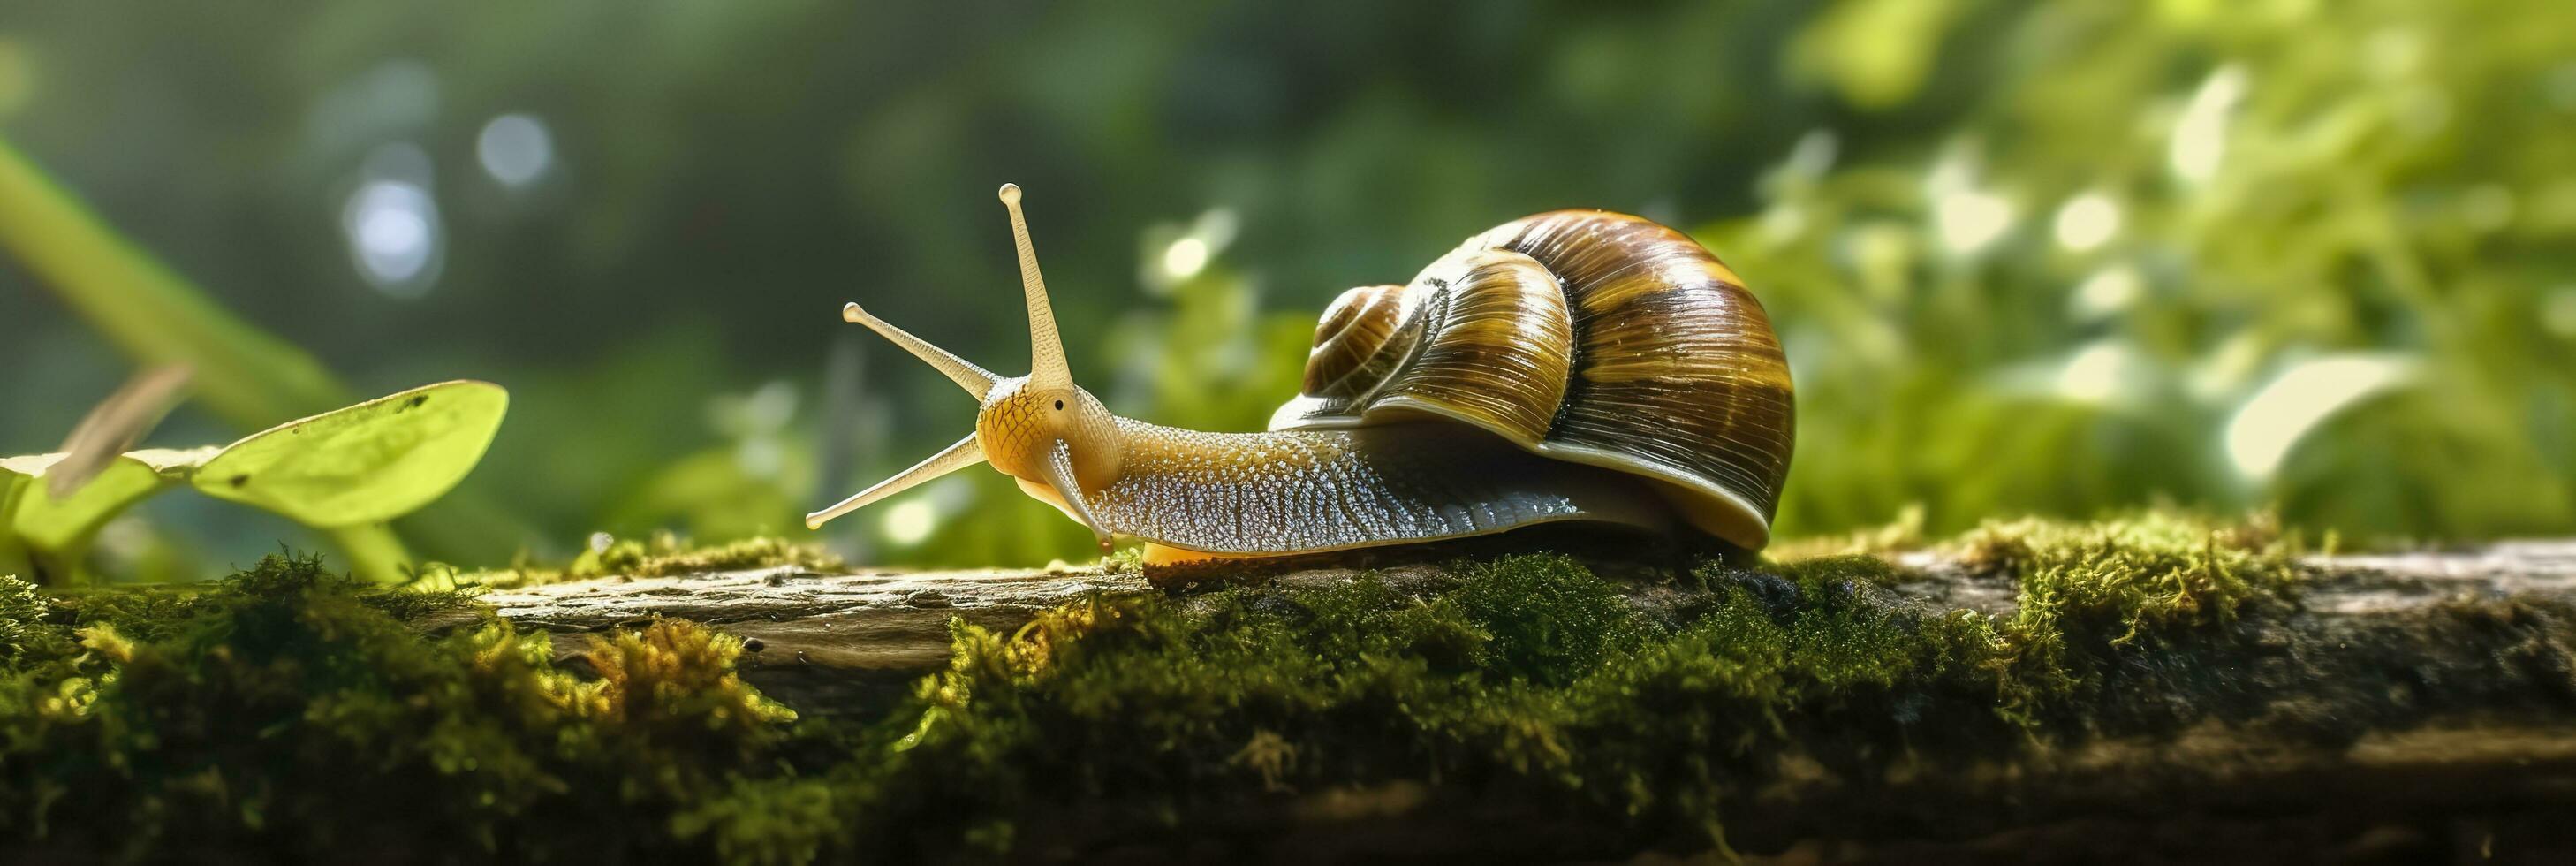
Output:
[[1569, 366]]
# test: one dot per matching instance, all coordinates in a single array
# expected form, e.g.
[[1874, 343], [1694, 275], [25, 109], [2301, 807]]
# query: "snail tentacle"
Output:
[[1047, 367], [1060, 475], [974, 379], [950, 459]]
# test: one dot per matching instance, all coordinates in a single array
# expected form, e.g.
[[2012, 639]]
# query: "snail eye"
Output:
[[1059, 405]]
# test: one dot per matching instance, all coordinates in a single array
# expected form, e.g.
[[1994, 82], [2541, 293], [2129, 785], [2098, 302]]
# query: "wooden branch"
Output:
[[2291, 771], [826, 644], [886, 621], [2340, 584]]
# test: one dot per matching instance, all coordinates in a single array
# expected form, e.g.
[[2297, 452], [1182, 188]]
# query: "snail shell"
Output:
[[1587, 337]]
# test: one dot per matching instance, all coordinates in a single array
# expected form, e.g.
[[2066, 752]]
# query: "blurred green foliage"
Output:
[[2060, 257], [2376, 192]]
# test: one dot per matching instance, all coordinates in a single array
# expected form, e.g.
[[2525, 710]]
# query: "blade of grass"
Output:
[[245, 375]]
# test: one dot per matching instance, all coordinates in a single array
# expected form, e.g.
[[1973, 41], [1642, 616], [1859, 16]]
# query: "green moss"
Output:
[[1125, 560], [1848, 567], [661, 555], [38, 629], [23, 612], [214, 722], [1546, 617], [665, 555], [782, 819], [2090, 590], [1531, 687], [2141, 571], [1532, 676]]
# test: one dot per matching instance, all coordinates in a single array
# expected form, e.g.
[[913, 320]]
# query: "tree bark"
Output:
[[896, 622], [2316, 757]]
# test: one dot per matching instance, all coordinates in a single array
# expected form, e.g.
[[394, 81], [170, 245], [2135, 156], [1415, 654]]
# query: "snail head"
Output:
[[1042, 429]]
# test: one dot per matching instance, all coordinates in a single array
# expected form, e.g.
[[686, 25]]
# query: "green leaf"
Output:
[[53, 525], [367, 463]]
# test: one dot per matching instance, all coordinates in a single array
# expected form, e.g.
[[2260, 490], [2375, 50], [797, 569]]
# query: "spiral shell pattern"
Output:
[[1353, 335], [1585, 336]]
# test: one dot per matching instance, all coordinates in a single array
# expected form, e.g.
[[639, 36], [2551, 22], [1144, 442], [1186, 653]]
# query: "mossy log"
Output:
[[825, 644], [2399, 708]]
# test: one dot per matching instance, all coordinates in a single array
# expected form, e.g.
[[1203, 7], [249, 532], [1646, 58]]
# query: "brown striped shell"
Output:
[[1585, 336]]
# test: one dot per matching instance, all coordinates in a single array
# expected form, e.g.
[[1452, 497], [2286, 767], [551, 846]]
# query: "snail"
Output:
[[1568, 366]]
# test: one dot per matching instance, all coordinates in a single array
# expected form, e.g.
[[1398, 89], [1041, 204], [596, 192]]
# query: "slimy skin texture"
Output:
[[1252, 494]]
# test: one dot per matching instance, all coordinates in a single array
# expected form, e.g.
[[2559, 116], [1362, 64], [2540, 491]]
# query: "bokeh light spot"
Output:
[[1969, 221], [2087, 221], [515, 149], [2098, 373], [2106, 293], [2200, 136], [1173, 254], [393, 234], [910, 522], [1809, 159], [1185, 258], [2283, 411]]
